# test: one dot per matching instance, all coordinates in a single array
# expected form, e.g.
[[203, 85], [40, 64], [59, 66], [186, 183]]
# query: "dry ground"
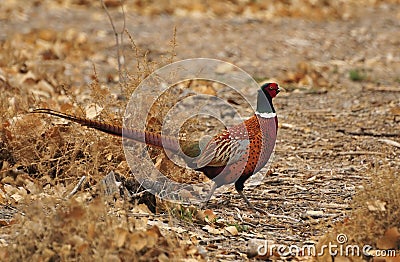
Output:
[[339, 121]]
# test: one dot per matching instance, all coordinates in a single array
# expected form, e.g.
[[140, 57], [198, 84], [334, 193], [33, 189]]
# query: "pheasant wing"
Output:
[[223, 150]]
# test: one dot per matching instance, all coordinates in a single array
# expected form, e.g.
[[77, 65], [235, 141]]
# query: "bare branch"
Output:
[[77, 187], [118, 42]]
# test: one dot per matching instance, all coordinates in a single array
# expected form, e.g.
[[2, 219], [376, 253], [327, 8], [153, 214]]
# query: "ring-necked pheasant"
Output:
[[229, 157]]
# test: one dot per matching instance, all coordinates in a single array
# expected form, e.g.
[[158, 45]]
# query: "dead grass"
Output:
[[54, 229], [374, 216]]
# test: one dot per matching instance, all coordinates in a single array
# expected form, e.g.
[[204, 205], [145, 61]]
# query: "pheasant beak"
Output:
[[281, 89]]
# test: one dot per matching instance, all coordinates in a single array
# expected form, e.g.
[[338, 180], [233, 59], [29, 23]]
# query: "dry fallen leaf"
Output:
[[376, 205], [17, 197], [212, 230], [209, 216], [315, 213], [163, 258], [91, 230], [141, 209], [390, 240], [136, 241], [232, 230], [32, 187], [121, 235], [3, 200], [93, 110], [9, 189], [47, 254], [152, 235], [141, 223], [75, 212]]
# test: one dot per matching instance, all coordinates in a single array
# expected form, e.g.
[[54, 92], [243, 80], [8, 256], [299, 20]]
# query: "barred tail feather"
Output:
[[149, 138]]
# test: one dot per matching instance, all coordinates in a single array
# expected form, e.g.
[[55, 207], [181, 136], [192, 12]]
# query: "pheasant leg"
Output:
[[209, 195], [250, 204]]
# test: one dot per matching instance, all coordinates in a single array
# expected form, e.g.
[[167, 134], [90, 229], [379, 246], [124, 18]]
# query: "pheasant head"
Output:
[[264, 99]]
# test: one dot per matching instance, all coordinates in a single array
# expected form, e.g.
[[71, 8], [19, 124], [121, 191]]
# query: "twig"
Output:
[[212, 239], [365, 133], [284, 217], [359, 153], [122, 79], [383, 88], [140, 214], [390, 142], [271, 227], [261, 211], [77, 187], [318, 111], [241, 219], [139, 194]]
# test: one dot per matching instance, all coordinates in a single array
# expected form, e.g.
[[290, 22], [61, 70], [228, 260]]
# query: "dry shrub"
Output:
[[33, 143], [69, 230], [375, 216], [58, 153], [262, 9], [311, 75]]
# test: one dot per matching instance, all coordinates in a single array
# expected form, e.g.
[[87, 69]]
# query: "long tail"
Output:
[[149, 138]]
